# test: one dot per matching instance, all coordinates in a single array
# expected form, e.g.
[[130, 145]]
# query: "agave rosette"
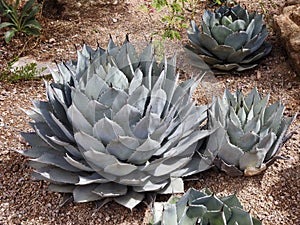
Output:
[[202, 207], [250, 134], [230, 39], [116, 125]]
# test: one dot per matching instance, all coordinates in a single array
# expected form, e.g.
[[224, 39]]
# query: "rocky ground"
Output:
[[273, 196]]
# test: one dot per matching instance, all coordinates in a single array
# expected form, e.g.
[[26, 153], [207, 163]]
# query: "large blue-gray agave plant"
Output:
[[116, 125], [230, 39], [250, 134]]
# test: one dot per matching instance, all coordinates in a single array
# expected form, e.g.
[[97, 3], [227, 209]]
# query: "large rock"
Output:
[[288, 26]]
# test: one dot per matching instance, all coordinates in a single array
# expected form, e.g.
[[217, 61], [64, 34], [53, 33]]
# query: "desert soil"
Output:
[[272, 196]]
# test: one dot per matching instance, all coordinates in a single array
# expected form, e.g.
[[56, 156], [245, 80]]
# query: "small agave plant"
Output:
[[230, 39], [116, 125], [202, 207], [250, 133]]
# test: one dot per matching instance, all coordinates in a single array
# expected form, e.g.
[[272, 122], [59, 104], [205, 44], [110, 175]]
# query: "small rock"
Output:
[[51, 40], [114, 20]]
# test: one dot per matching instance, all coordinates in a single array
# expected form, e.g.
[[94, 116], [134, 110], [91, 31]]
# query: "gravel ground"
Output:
[[272, 196]]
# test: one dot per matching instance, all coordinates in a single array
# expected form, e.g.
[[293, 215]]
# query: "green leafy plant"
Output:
[[23, 21], [174, 20], [23, 73], [230, 39], [117, 126], [202, 207], [250, 133]]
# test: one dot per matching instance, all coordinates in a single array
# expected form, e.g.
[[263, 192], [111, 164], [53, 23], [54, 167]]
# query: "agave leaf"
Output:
[[94, 178], [56, 126], [81, 165], [236, 40], [193, 33], [85, 193], [241, 13], [139, 98], [57, 105], [225, 67], [35, 152], [58, 175], [285, 123], [107, 130], [196, 60], [207, 41], [263, 51], [120, 169], [192, 214], [215, 217], [67, 147], [123, 147], [199, 163], [66, 133], [87, 51], [211, 61], [169, 216], [226, 21], [117, 78], [214, 20], [61, 188], [258, 22], [223, 51], [130, 200], [249, 30], [175, 186], [237, 25], [256, 42], [136, 81], [79, 122], [81, 67], [246, 67], [206, 17], [230, 153], [95, 87], [252, 99], [227, 168], [88, 142], [256, 156], [55, 160], [99, 160], [231, 201], [127, 118], [238, 56], [161, 167], [114, 99], [146, 126], [234, 118], [247, 141], [220, 33], [157, 103], [253, 125], [144, 152], [127, 59], [150, 186], [210, 201], [110, 190], [240, 216], [234, 132]]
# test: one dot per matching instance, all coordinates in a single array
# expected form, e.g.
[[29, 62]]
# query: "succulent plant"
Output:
[[250, 133], [202, 207], [230, 39], [116, 125]]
